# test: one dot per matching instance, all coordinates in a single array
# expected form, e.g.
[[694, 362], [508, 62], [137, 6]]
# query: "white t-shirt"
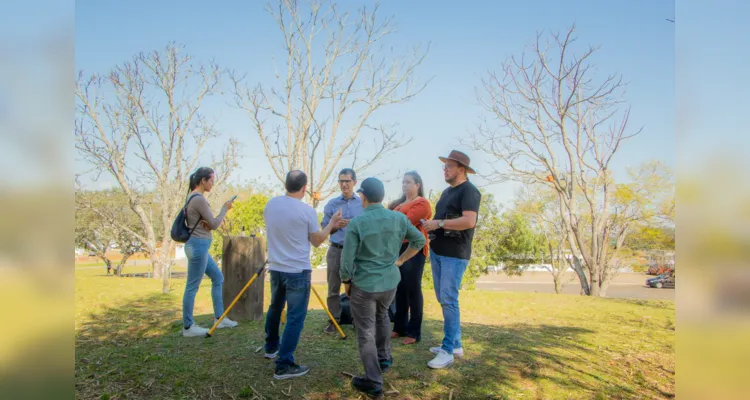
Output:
[[288, 224]]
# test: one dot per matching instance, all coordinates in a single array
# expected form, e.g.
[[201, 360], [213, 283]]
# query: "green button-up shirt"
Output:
[[372, 245]]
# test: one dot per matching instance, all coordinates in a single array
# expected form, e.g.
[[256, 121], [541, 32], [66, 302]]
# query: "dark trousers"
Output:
[[333, 263], [409, 300], [370, 312], [294, 291]]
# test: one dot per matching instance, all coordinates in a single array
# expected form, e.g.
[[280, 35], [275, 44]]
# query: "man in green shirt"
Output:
[[369, 271]]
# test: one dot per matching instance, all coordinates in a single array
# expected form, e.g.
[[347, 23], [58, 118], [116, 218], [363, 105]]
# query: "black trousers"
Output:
[[409, 299]]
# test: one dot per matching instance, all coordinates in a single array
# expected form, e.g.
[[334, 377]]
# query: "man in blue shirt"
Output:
[[350, 206]]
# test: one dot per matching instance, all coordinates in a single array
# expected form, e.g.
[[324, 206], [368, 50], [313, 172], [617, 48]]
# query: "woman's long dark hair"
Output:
[[420, 192], [198, 176]]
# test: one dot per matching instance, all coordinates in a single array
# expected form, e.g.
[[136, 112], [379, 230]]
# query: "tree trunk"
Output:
[[108, 263], [558, 283], [603, 289], [156, 266], [604, 284], [595, 286], [578, 268], [121, 264], [166, 263], [242, 258]]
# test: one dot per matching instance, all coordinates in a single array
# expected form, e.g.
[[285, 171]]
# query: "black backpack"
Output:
[[180, 231], [346, 313]]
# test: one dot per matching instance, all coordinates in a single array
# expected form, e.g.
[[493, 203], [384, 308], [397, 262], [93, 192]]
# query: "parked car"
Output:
[[665, 280]]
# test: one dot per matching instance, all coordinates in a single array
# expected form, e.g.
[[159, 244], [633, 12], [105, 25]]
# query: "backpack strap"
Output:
[[190, 198], [185, 208]]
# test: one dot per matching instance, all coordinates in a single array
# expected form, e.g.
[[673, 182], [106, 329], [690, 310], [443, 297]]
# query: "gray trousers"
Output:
[[333, 262], [370, 313]]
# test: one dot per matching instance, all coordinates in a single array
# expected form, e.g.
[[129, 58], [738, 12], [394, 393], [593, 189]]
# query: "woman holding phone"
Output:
[[409, 299], [196, 249]]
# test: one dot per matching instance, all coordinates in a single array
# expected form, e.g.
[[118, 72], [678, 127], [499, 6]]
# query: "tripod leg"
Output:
[[322, 303]]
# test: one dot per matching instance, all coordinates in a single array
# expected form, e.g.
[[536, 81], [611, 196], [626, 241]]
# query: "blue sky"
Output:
[[466, 42]]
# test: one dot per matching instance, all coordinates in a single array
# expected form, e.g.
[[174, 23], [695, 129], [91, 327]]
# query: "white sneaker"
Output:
[[459, 352], [225, 323], [442, 360], [194, 331], [271, 356]]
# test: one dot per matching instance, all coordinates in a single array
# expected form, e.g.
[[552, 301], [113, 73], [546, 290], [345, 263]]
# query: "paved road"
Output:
[[616, 290], [625, 285]]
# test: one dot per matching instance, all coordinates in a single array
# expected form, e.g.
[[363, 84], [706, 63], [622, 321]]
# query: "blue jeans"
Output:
[[447, 273], [199, 263], [294, 290]]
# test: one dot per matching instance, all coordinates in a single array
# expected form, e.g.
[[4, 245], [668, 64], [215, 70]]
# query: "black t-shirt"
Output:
[[453, 202]]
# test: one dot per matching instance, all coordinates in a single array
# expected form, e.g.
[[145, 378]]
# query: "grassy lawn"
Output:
[[518, 345]]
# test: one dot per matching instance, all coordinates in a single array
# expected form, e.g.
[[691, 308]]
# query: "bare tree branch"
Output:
[[338, 76]]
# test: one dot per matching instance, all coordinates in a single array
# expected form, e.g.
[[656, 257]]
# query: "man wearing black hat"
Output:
[[451, 235], [369, 271]]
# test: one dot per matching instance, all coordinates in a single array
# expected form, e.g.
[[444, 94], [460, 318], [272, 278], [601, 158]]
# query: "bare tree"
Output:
[[338, 75], [558, 126], [142, 124]]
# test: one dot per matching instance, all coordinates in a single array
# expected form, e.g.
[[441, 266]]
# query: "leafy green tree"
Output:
[[245, 217], [498, 240], [485, 250], [642, 216], [318, 254]]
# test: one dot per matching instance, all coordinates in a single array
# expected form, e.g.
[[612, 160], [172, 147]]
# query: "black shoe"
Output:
[[385, 365], [370, 388], [291, 371], [330, 328]]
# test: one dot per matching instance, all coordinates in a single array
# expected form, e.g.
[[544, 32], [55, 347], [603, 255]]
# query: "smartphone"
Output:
[[233, 198]]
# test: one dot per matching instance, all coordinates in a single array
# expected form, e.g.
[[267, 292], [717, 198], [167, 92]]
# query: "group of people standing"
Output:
[[376, 253]]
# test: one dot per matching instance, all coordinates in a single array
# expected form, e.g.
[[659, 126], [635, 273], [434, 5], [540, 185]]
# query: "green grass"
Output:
[[518, 346]]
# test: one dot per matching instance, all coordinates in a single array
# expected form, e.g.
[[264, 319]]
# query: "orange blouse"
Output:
[[417, 210]]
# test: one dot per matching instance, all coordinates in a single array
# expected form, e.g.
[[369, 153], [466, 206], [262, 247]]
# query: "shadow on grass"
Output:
[[134, 351], [659, 304]]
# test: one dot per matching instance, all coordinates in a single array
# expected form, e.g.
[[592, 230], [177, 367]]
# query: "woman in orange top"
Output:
[[409, 300]]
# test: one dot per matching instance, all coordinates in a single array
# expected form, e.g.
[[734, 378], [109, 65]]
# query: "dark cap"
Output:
[[373, 189]]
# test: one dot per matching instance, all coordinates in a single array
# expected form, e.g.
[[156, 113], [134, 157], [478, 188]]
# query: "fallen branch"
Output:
[[393, 391], [288, 393], [256, 392]]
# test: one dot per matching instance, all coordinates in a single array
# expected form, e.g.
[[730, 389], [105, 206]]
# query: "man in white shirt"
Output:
[[291, 226]]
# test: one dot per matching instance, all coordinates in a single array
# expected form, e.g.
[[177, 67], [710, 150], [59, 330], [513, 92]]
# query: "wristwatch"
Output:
[[441, 223]]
